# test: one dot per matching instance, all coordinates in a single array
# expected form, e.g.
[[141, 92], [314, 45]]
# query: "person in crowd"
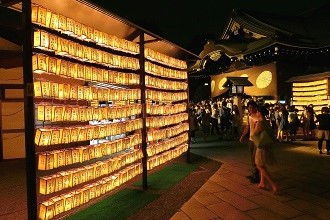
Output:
[[293, 123], [304, 120], [249, 128], [225, 120], [236, 121], [263, 155], [272, 117], [206, 120], [283, 124], [214, 119], [192, 125], [312, 124], [323, 129]]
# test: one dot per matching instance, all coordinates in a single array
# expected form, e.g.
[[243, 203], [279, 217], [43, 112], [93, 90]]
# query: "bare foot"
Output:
[[275, 189], [261, 186]]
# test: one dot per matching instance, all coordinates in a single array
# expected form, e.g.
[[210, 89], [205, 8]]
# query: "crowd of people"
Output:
[[264, 125]]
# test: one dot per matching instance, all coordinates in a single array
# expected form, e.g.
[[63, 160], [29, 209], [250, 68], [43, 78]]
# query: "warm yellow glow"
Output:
[[264, 79]]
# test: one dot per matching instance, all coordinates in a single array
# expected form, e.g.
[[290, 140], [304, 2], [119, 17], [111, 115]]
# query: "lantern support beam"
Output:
[[29, 111], [144, 113]]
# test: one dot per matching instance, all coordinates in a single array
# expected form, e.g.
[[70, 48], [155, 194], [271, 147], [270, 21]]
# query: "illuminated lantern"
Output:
[[54, 21], [42, 159], [60, 160], [74, 113], [40, 63], [99, 75], [84, 33], [89, 114], [72, 70], [100, 95], [84, 154], [80, 91], [42, 16], [96, 35], [83, 175], [68, 156], [67, 113], [82, 114], [62, 47], [55, 137], [96, 133], [61, 23], [58, 205], [90, 133], [87, 54], [77, 198], [52, 65], [80, 72], [57, 113], [66, 91], [74, 134], [92, 191], [68, 201], [79, 52], [62, 68], [85, 195], [98, 186], [67, 179], [94, 74], [90, 34], [42, 137], [54, 89], [52, 42], [88, 73], [77, 29], [74, 92], [41, 40], [94, 93], [58, 183], [90, 172], [72, 48], [46, 185], [75, 177], [46, 210], [82, 134], [66, 133]]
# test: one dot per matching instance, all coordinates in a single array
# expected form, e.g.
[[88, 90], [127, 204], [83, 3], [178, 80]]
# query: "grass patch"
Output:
[[169, 175], [118, 206]]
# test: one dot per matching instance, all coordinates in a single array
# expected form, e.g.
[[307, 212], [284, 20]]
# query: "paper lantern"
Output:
[[59, 159], [42, 160], [54, 21], [72, 48], [82, 136], [80, 92], [41, 40], [80, 72], [74, 92], [58, 205], [90, 34], [94, 74], [46, 210], [61, 23], [68, 201], [85, 195], [88, 73], [42, 137], [62, 68], [96, 35], [83, 175], [55, 137], [92, 191], [46, 185], [75, 177], [62, 47], [40, 63], [58, 183], [77, 29], [77, 198], [66, 91], [84, 155], [67, 156], [52, 65], [82, 113], [74, 113], [74, 135], [67, 179], [54, 89], [84, 33]]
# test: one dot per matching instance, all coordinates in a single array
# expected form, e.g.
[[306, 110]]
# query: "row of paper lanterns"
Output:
[[60, 113], [69, 26], [65, 91], [43, 64], [73, 177], [65, 202], [154, 135], [164, 72], [165, 84], [49, 160], [166, 109], [160, 121], [166, 156], [65, 135], [156, 148], [164, 59], [165, 96], [63, 47]]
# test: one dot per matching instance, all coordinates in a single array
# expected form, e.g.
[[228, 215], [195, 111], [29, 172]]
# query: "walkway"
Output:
[[302, 174]]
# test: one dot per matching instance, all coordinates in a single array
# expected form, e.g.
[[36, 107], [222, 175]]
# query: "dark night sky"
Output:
[[189, 23]]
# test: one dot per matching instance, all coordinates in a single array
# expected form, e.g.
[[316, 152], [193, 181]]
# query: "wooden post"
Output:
[[144, 112], [29, 111]]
